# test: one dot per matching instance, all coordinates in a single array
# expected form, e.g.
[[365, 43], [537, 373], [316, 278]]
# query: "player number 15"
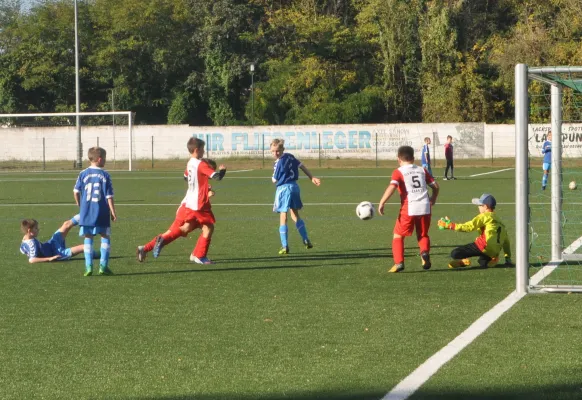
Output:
[[93, 192]]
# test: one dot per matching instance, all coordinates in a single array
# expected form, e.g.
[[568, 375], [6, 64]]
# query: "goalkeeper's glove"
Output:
[[445, 223]]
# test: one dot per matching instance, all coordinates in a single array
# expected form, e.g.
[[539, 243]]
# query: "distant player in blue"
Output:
[[547, 165], [94, 195], [425, 155], [287, 196], [54, 249]]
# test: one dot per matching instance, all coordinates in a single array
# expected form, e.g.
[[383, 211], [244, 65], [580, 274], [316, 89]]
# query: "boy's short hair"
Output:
[[426, 139], [449, 137], [210, 162], [27, 224], [406, 153], [194, 143], [96, 153], [278, 143]]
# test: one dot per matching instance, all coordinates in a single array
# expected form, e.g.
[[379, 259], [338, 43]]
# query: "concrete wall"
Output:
[[370, 141]]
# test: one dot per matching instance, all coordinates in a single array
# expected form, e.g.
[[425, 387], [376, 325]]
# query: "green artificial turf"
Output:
[[325, 323]]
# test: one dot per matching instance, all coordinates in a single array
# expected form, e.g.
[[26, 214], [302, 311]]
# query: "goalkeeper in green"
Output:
[[492, 239]]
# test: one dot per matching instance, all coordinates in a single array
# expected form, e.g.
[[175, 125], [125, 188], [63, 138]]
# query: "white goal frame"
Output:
[[522, 75], [128, 114]]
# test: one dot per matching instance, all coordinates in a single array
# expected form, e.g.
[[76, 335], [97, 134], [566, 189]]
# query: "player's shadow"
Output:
[[460, 269], [308, 257], [77, 258], [324, 255], [204, 269]]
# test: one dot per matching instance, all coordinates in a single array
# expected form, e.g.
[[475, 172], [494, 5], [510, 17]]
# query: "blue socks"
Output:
[[300, 225], [544, 180], [283, 233], [88, 252], [105, 248]]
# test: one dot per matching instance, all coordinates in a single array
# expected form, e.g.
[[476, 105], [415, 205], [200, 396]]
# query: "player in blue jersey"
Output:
[[425, 155], [287, 196], [547, 163], [94, 195], [51, 250]]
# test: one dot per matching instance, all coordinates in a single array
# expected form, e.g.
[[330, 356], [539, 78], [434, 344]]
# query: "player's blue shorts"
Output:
[[58, 246], [94, 230], [287, 196], [546, 166]]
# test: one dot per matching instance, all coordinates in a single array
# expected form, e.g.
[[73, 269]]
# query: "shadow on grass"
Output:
[[461, 269], [227, 269], [530, 393], [309, 255], [296, 396]]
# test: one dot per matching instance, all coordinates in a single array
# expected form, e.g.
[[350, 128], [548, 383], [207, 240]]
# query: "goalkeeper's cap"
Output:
[[486, 200]]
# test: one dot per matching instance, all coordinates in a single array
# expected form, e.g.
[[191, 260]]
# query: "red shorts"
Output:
[[195, 218], [406, 224]]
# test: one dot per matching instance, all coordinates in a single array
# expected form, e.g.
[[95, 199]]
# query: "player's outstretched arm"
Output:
[[35, 260], [220, 174], [387, 194], [316, 181], [475, 224]]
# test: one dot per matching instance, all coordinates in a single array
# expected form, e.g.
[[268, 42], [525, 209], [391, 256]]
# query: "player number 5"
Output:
[[416, 182]]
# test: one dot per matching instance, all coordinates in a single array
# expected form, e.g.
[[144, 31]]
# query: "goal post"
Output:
[[548, 223], [26, 131]]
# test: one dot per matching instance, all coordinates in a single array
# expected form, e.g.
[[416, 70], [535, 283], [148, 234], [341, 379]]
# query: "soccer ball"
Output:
[[365, 210], [572, 185]]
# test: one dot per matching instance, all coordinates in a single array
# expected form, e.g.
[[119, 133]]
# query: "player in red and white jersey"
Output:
[[195, 210], [412, 183]]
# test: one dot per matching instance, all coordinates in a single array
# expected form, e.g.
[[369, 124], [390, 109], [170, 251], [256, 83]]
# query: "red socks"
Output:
[[424, 244], [169, 237], [202, 246], [398, 250]]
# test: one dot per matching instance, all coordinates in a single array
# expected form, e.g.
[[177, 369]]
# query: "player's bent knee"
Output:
[[456, 254], [66, 226]]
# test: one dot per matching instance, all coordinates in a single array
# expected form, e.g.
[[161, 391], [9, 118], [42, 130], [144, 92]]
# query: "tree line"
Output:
[[315, 61]]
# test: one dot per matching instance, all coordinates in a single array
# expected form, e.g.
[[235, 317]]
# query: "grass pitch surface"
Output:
[[326, 323]]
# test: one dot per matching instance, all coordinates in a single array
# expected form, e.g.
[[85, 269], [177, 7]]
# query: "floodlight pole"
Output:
[[77, 92], [252, 94]]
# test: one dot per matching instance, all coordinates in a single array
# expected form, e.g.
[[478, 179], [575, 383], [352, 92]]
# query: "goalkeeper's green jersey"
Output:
[[493, 235]]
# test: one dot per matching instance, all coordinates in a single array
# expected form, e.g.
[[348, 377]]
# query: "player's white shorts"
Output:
[[94, 230], [287, 196]]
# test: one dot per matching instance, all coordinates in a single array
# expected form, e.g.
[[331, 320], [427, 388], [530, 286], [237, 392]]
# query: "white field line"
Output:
[[420, 375], [169, 174], [491, 172], [234, 204], [123, 178]]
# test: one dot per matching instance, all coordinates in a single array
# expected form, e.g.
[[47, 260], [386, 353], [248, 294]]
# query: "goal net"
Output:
[[548, 171], [52, 141]]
